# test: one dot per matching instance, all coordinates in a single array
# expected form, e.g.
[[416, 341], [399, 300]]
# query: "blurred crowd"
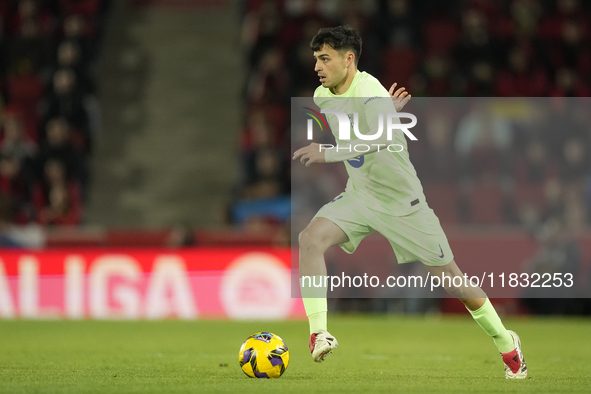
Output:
[[490, 162], [48, 109]]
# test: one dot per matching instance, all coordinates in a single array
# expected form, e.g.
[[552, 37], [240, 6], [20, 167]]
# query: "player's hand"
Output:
[[310, 154], [400, 97]]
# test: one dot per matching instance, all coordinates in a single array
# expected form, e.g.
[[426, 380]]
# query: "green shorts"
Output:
[[415, 237]]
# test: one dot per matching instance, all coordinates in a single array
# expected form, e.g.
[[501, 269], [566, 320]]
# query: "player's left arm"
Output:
[[399, 97]]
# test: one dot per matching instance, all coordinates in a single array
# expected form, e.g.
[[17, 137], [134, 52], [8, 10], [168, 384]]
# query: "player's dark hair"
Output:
[[338, 38]]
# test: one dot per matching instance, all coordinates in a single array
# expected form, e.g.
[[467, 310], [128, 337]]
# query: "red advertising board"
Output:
[[148, 284]]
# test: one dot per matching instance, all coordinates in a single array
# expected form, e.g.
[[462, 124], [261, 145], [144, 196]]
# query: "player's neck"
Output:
[[345, 84]]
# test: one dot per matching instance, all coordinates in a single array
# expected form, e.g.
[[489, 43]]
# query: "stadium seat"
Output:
[[443, 199], [235, 238], [486, 204], [276, 208], [529, 194], [440, 35], [88, 8], [25, 90], [131, 237], [398, 65]]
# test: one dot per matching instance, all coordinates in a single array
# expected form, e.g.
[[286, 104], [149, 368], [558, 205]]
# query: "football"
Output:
[[263, 355]]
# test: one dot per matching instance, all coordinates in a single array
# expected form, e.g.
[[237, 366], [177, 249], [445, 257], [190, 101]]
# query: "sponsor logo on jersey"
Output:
[[356, 162]]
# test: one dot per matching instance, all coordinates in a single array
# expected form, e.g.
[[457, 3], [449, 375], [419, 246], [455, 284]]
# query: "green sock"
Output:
[[314, 299], [488, 319]]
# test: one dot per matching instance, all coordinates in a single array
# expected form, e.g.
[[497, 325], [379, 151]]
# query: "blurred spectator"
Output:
[[435, 161], [81, 30], [301, 61], [474, 48], [87, 8], [29, 60], [554, 198], [69, 56], [267, 178], [562, 115], [259, 131], [553, 24], [534, 126], [17, 236], [534, 166], [435, 78], [568, 84], [66, 100], [353, 14], [31, 10], [3, 54], [572, 50], [521, 78], [14, 189], [398, 24], [483, 141], [576, 212], [301, 14], [575, 160], [28, 51], [56, 199], [58, 146], [260, 30], [476, 44], [558, 253], [181, 235], [15, 142], [269, 82], [525, 15], [481, 80]]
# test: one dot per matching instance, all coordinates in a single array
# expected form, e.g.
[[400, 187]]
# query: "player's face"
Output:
[[331, 66]]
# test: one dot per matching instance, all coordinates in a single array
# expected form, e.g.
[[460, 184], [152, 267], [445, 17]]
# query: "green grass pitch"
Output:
[[377, 354]]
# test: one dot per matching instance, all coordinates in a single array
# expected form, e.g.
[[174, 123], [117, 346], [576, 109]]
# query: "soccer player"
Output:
[[383, 194]]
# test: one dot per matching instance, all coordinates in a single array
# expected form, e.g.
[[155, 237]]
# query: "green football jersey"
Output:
[[386, 180]]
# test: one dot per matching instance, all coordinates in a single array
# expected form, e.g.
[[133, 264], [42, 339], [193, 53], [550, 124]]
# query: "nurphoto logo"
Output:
[[347, 122]]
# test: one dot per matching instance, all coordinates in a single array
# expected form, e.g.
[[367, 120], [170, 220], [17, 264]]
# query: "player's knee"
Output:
[[458, 292], [309, 239], [464, 292], [306, 239]]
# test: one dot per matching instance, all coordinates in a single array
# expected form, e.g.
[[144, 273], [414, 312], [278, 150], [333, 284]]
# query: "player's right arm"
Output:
[[310, 154]]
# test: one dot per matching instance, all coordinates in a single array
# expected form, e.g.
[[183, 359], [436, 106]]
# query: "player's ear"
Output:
[[350, 58]]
